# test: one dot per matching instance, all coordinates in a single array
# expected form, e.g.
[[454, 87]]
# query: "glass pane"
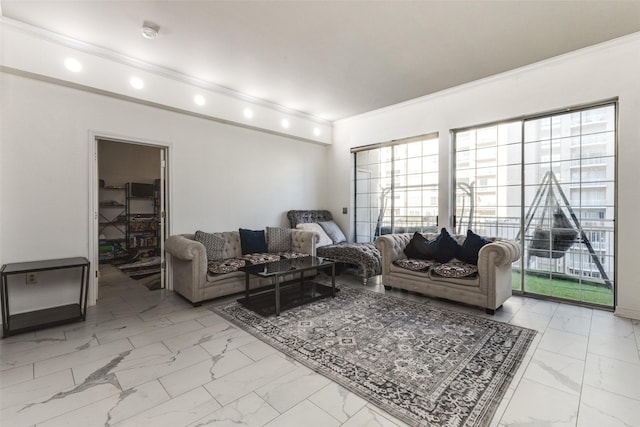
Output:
[[396, 189]]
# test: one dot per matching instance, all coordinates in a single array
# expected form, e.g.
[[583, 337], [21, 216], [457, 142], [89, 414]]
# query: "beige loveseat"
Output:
[[190, 269], [489, 288]]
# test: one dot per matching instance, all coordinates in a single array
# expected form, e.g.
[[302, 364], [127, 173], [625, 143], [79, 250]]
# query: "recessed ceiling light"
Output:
[[199, 99], [150, 30], [73, 64], [285, 123], [316, 131], [248, 113], [136, 83]]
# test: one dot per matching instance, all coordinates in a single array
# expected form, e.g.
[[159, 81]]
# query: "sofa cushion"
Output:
[[278, 239], [212, 244], [312, 226], [414, 264], [333, 231], [252, 241], [455, 269], [470, 248], [224, 266]]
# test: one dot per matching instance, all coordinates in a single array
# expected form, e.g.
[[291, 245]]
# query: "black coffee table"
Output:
[[267, 300]]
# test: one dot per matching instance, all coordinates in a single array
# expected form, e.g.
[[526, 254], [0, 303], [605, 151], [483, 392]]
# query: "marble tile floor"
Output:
[[148, 358]]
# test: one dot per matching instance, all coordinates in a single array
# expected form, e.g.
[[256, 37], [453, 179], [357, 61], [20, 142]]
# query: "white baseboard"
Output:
[[627, 312]]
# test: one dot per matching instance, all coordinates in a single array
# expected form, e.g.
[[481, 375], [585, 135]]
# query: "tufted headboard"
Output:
[[300, 217]]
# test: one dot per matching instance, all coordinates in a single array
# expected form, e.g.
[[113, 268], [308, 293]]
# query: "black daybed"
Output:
[[365, 256]]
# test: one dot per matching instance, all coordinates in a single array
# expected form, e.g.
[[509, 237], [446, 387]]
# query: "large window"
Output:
[[550, 183], [396, 187]]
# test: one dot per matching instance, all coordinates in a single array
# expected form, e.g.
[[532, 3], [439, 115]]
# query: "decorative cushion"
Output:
[[212, 243], [223, 266], [291, 255], [333, 231], [260, 258], [468, 252], [312, 226], [446, 247], [278, 239], [252, 241], [414, 264], [455, 269], [420, 248]]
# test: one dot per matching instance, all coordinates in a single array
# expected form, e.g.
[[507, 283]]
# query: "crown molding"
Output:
[[619, 41], [152, 68]]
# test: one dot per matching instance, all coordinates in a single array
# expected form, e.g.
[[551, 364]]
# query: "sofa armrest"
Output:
[[184, 248], [391, 247], [499, 253], [188, 260], [304, 241]]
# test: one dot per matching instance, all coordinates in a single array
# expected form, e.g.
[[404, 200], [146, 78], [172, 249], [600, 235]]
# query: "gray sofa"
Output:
[[489, 288], [190, 267]]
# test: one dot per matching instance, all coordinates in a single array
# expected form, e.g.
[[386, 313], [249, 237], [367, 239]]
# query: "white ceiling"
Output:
[[335, 59]]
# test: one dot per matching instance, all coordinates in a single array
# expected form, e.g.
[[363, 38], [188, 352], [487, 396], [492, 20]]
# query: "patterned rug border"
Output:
[[485, 412]]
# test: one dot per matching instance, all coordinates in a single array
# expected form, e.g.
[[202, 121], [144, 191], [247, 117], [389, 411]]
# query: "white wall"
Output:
[[221, 176], [598, 73]]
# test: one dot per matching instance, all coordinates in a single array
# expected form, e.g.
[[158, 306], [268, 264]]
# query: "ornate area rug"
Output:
[[424, 365]]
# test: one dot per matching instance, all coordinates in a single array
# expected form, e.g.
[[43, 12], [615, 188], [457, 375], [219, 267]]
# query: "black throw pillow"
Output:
[[470, 248], [411, 250], [419, 247], [447, 247], [252, 241]]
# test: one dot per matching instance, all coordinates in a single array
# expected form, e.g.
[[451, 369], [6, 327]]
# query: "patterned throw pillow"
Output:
[[260, 258], [414, 264], [312, 226], [456, 270], [292, 255], [333, 231], [278, 239], [212, 243], [224, 266]]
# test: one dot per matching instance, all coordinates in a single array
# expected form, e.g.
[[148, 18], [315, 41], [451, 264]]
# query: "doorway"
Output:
[[131, 211]]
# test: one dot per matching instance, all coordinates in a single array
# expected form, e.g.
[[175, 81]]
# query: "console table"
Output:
[[41, 318]]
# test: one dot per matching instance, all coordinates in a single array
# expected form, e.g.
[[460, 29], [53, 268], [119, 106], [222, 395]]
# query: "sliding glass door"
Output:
[[569, 201], [548, 182]]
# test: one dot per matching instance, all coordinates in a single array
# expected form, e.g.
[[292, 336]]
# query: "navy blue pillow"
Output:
[[447, 247], [470, 248], [419, 247], [252, 241]]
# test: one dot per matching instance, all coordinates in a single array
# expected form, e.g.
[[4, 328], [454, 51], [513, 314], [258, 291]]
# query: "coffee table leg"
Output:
[[246, 286], [277, 296], [333, 280]]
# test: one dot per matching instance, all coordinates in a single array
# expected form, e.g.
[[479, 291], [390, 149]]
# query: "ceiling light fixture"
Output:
[[200, 100], [73, 65], [248, 113], [285, 123], [150, 30], [136, 83], [316, 131]]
